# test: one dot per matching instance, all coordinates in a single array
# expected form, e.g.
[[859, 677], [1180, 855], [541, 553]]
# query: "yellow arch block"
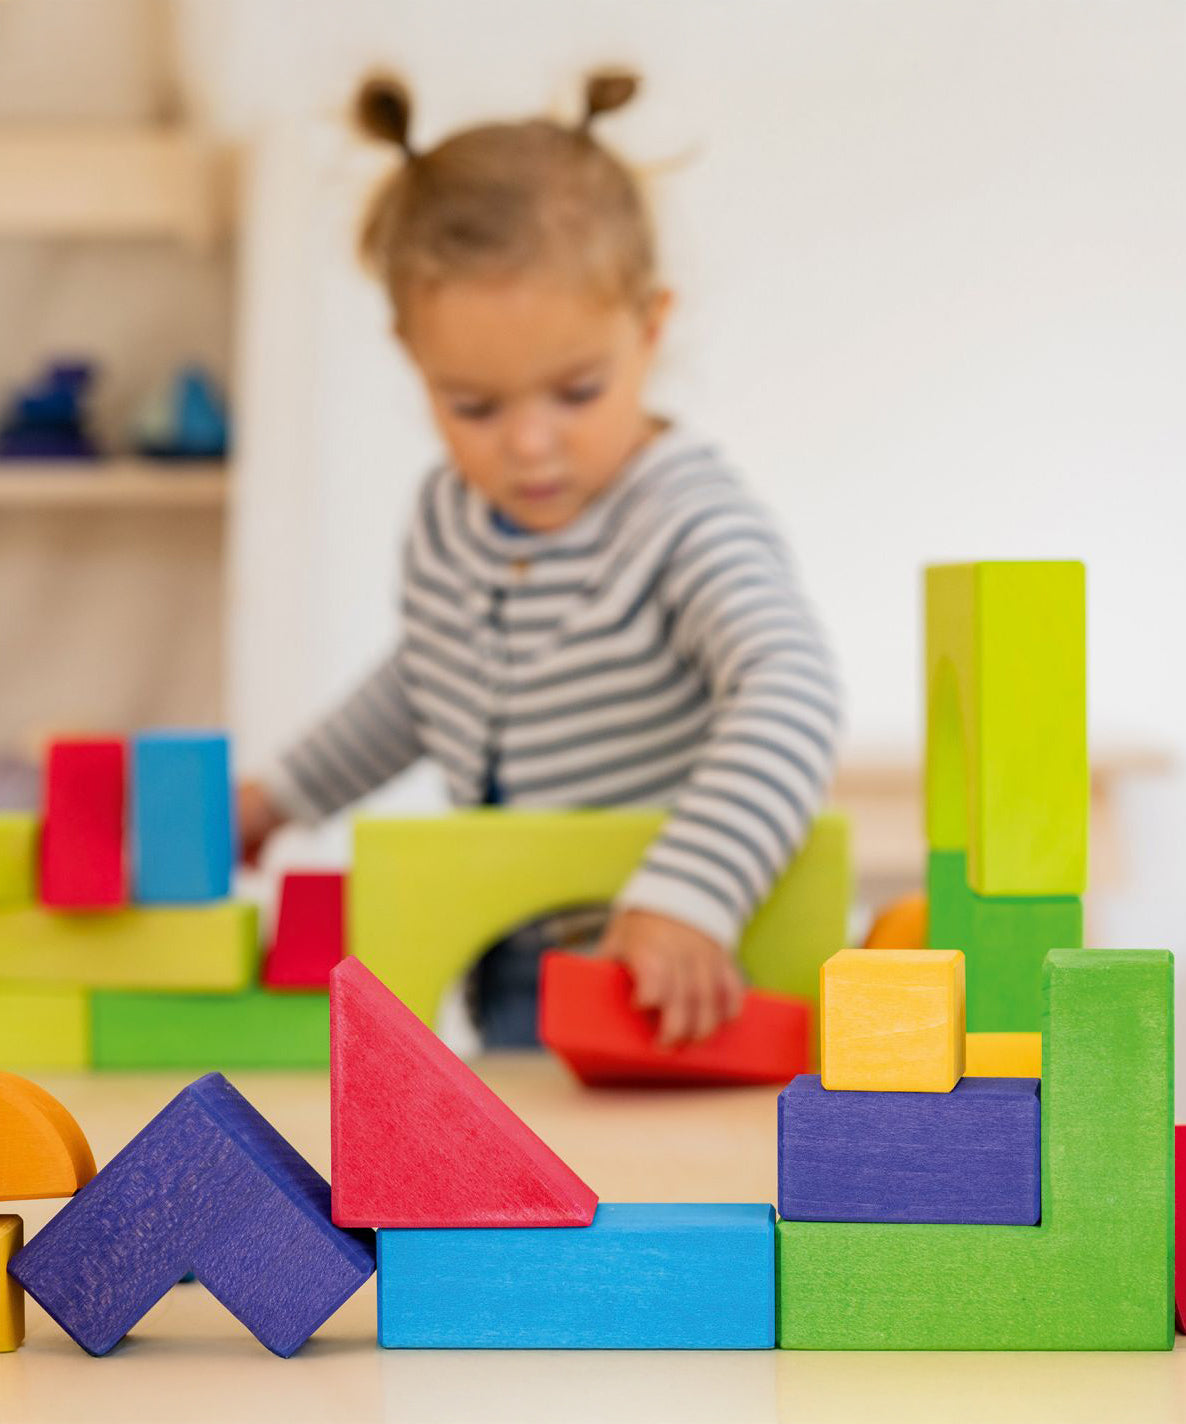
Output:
[[1007, 769], [429, 895]]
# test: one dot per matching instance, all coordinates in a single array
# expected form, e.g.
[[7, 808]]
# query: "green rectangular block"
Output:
[[44, 1026], [1097, 1273], [1004, 940], [18, 858], [211, 1032]]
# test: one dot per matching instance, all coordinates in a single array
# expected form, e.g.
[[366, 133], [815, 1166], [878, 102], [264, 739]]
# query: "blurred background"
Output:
[[929, 262]]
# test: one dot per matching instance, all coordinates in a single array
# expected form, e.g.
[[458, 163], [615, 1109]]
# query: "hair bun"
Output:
[[607, 90], [383, 109]]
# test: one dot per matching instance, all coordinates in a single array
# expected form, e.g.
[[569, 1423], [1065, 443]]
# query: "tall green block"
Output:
[[18, 858], [1004, 940], [210, 1032], [1097, 1273]]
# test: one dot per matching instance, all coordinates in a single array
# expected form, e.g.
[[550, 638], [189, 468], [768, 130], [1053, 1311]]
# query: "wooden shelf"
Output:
[[94, 181], [103, 484]]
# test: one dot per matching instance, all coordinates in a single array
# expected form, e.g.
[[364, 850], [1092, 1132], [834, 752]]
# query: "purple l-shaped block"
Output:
[[208, 1186]]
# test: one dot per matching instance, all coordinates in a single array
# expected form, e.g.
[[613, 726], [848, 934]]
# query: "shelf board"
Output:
[[113, 181], [126, 484]]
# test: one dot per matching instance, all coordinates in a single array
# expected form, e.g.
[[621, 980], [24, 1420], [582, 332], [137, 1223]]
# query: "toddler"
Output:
[[594, 611]]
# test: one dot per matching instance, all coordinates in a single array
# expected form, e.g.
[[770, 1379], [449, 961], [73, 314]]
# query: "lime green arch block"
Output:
[[1007, 771], [1097, 1273], [429, 895], [1004, 940]]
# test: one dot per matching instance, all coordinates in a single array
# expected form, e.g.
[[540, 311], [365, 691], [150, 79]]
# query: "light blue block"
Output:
[[642, 1277], [183, 839]]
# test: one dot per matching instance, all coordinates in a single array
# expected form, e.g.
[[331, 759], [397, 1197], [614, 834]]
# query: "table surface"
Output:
[[191, 1361]]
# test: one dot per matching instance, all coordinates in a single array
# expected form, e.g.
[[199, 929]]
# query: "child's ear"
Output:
[[655, 315]]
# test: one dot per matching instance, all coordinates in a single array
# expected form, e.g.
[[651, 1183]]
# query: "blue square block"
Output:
[[641, 1277], [969, 1157], [183, 838]]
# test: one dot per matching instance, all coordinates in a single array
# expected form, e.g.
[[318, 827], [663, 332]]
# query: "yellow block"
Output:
[[1004, 1055], [892, 1020], [18, 858], [12, 1297], [44, 1026], [1007, 768], [212, 948]]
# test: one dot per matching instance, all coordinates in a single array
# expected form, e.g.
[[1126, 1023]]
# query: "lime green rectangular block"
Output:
[[1007, 769], [428, 896], [1004, 940], [199, 948], [1097, 1273], [211, 1032], [18, 858], [44, 1026]]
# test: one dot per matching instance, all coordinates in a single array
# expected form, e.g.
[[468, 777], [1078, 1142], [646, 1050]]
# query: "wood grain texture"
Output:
[[183, 837], [971, 1156], [82, 832], [587, 1019], [310, 936], [892, 1020], [417, 1139], [1097, 1273], [43, 1151], [207, 1186], [641, 1277], [12, 1297]]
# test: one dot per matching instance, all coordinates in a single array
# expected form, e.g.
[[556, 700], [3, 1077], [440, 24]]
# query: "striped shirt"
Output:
[[657, 651]]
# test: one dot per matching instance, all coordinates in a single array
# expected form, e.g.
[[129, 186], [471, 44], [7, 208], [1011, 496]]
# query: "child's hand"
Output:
[[693, 981], [258, 817]]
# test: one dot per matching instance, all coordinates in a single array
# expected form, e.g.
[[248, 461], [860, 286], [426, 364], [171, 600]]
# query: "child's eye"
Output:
[[475, 410], [581, 395]]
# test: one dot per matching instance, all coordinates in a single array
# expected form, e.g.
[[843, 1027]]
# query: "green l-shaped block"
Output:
[[1097, 1273]]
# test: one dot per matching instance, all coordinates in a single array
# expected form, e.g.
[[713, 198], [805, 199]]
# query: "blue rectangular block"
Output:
[[183, 838], [971, 1156], [641, 1277], [209, 1186]]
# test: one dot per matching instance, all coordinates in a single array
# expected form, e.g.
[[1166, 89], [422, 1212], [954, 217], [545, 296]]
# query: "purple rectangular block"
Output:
[[968, 1157], [209, 1186]]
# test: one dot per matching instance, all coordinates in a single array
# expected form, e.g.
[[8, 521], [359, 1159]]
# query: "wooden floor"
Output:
[[191, 1361]]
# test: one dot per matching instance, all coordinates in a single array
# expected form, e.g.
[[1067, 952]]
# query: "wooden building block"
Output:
[[180, 948], [258, 1029], [209, 1186], [1096, 1274], [971, 1155], [43, 1151], [310, 935], [417, 1139], [640, 1277], [1180, 1224], [1007, 772], [902, 925], [19, 838], [1004, 940], [1003, 1055], [892, 1020], [183, 836], [12, 1298], [44, 1026], [523, 864], [587, 1019], [82, 834]]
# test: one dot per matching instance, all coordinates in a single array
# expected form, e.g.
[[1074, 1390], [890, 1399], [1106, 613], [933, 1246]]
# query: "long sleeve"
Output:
[[365, 741], [737, 614]]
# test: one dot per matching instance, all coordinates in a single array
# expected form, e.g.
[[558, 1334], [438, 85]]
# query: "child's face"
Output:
[[536, 387]]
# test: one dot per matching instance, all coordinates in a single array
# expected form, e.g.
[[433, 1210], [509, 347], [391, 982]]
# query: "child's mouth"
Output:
[[540, 491]]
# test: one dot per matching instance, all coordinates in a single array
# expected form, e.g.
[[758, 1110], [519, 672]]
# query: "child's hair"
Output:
[[501, 198]]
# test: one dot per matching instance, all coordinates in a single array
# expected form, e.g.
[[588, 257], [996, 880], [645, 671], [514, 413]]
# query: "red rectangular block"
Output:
[[587, 1018], [310, 931], [1180, 1224], [82, 833]]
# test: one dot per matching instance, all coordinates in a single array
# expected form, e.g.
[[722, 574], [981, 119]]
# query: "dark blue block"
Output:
[[971, 1156], [652, 1276], [208, 1186], [182, 823]]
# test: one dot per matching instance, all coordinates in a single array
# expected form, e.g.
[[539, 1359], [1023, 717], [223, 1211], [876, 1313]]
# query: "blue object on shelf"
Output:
[[184, 420], [47, 420]]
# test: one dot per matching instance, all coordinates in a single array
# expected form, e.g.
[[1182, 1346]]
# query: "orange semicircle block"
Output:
[[43, 1152], [902, 925]]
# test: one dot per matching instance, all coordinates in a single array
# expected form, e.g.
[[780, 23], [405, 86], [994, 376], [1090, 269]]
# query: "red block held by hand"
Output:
[[310, 931], [82, 833], [588, 1019]]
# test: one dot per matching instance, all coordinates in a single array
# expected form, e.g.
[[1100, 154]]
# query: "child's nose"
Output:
[[531, 432]]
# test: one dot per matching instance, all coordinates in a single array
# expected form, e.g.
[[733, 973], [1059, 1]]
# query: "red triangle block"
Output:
[[587, 1019], [310, 930], [417, 1139]]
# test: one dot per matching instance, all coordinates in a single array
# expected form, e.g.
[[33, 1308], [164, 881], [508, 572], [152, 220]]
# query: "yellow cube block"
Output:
[[1003, 1055], [44, 1026], [12, 1297], [892, 1020]]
